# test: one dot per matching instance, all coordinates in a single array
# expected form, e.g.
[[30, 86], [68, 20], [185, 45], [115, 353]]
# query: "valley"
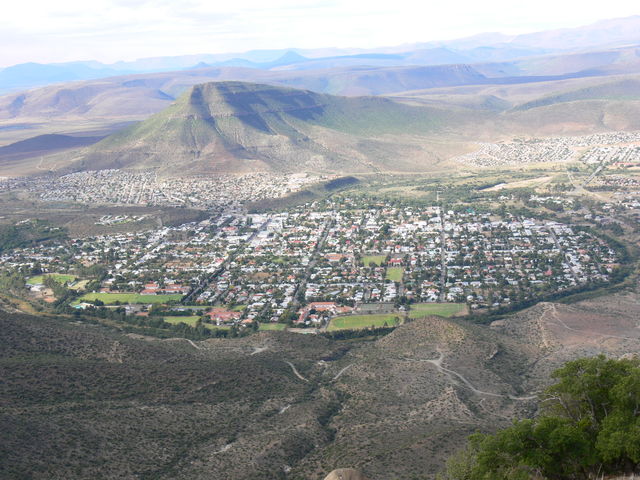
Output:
[[278, 264], [437, 306]]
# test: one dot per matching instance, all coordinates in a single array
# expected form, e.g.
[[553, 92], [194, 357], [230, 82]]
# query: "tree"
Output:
[[589, 424]]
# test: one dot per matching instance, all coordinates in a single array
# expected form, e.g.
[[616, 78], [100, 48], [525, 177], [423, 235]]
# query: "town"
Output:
[[616, 148], [324, 262], [146, 188]]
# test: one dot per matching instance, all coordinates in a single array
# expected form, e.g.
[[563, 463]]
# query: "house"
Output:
[[220, 316]]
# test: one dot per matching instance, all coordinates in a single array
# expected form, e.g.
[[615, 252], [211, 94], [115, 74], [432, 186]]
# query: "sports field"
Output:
[[357, 322], [377, 259], [272, 326], [395, 274], [419, 310], [111, 298], [58, 277], [191, 321]]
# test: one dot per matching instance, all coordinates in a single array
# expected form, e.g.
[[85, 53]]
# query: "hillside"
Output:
[[111, 405], [42, 144], [412, 397], [566, 107], [239, 127], [108, 406]]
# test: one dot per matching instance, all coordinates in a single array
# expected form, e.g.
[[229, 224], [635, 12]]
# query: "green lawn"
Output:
[[419, 310], [272, 326], [111, 298], [58, 277], [357, 322], [191, 321], [395, 274], [377, 259]]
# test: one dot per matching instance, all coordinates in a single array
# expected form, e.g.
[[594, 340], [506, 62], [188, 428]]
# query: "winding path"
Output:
[[295, 371], [341, 372], [438, 364], [257, 350]]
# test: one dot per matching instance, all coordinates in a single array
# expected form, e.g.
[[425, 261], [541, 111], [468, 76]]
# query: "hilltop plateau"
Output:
[[240, 127]]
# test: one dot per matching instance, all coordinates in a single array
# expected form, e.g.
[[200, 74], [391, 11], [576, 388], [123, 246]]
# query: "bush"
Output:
[[589, 425]]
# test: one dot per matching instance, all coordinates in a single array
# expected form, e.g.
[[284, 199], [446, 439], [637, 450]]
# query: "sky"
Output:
[[49, 31]]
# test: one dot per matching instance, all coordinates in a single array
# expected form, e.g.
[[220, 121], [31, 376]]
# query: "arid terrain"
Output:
[[391, 408]]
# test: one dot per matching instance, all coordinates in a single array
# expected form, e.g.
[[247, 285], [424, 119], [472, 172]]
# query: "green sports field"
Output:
[[272, 326], [395, 274], [357, 322], [377, 259], [58, 277], [420, 310], [191, 321], [112, 298]]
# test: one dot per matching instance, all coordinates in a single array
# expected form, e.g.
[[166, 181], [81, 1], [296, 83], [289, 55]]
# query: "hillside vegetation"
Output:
[[111, 405], [589, 425]]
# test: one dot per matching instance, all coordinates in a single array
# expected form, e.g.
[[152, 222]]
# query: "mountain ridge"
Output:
[[236, 126], [474, 49]]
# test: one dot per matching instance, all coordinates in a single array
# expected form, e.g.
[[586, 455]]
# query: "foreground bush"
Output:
[[589, 425]]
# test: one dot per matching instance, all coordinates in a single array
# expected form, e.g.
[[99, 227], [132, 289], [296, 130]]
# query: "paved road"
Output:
[[443, 256], [312, 263], [205, 282], [564, 254]]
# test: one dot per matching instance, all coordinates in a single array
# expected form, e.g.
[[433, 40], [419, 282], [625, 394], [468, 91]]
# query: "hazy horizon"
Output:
[[109, 31]]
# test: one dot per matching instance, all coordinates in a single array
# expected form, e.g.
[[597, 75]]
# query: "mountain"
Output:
[[239, 127], [27, 75], [582, 64], [482, 48], [624, 89], [143, 94], [134, 97], [613, 32], [576, 106], [236, 127]]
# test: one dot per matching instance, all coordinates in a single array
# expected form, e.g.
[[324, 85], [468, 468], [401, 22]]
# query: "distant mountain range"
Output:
[[491, 47], [133, 97], [207, 113]]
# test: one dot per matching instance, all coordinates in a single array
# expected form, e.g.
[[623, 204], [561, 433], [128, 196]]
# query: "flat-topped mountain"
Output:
[[239, 127]]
